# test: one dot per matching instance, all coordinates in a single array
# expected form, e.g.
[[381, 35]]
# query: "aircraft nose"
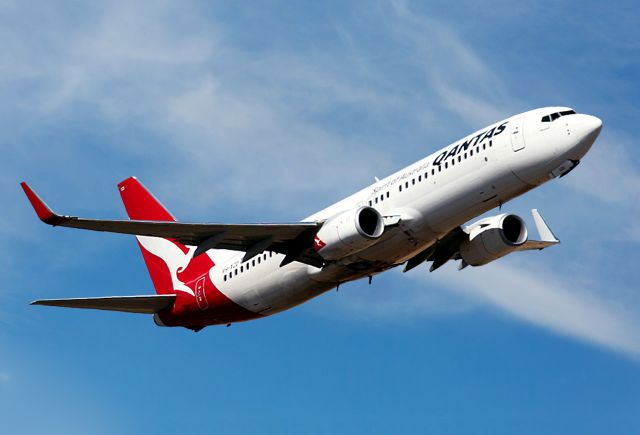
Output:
[[588, 126], [586, 129], [592, 124]]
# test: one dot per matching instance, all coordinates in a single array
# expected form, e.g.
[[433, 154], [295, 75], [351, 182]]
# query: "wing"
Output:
[[294, 240], [448, 247], [150, 304], [440, 252]]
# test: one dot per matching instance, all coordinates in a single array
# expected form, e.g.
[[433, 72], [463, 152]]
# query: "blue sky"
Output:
[[269, 111]]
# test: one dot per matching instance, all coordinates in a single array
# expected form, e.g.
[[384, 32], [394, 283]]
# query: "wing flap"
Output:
[[148, 304]]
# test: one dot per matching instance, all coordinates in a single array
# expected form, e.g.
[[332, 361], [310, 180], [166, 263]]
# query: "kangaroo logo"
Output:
[[186, 272]]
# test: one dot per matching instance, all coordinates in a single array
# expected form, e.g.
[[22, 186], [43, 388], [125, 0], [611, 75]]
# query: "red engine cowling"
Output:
[[492, 238], [349, 232]]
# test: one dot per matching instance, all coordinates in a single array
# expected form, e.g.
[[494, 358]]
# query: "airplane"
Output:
[[214, 274]]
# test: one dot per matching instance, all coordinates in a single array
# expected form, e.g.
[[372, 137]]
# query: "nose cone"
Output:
[[586, 129], [589, 126]]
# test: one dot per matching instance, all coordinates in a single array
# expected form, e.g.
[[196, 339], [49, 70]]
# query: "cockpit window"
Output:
[[554, 116]]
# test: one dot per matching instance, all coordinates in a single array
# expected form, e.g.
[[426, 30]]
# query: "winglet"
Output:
[[547, 238], [45, 214], [546, 235]]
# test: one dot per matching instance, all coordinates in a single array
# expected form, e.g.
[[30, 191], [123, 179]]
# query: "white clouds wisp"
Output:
[[543, 298]]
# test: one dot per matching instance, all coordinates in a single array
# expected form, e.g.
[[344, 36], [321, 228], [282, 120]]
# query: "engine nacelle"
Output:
[[492, 238], [349, 232]]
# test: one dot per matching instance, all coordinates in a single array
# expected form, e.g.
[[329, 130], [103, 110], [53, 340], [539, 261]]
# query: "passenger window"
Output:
[[446, 165], [225, 277], [433, 171], [376, 200], [419, 178], [406, 185], [484, 146], [253, 263], [413, 181], [400, 188], [459, 159], [258, 260], [471, 153], [439, 168], [241, 268], [387, 194], [426, 174], [465, 156], [236, 272]]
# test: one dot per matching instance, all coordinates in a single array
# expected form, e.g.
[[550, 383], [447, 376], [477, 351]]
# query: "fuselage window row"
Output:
[[433, 172], [245, 267]]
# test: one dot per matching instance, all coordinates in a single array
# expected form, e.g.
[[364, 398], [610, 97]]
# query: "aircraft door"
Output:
[[517, 134]]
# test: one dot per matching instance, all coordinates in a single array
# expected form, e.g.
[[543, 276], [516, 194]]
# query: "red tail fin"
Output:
[[140, 203], [170, 263]]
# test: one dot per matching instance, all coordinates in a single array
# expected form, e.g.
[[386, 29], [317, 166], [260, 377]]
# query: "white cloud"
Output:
[[534, 294], [463, 83], [214, 103], [610, 172], [540, 296]]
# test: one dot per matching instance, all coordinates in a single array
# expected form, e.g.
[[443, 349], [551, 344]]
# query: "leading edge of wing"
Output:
[[147, 304]]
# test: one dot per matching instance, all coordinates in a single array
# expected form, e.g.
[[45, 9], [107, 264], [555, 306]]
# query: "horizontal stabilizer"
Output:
[[130, 304]]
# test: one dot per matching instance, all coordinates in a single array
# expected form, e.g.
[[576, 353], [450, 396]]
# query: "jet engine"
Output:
[[349, 232], [492, 238]]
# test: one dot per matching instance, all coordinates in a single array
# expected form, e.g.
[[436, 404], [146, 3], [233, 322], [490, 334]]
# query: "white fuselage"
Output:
[[428, 198]]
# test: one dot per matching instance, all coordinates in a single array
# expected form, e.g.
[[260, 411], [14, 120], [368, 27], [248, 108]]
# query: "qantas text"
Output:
[[470, 142]]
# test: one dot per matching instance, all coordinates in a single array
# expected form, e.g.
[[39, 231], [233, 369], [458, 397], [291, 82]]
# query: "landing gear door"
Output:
[[517, 134]]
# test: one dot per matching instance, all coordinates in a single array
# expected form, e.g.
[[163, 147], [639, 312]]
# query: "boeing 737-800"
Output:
[[208, 274]]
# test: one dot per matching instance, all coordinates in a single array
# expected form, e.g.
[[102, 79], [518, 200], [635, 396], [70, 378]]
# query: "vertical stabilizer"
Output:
[[170, 263]]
